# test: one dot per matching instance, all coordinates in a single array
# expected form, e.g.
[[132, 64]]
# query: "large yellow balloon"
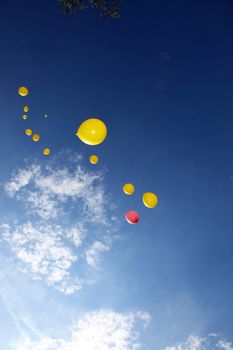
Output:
[[36, 137], [28, 132], [46, 151], [150, 200], [25, 116], [23, 91], [94, 159], [92, 131], [26, 109], [128, 189]]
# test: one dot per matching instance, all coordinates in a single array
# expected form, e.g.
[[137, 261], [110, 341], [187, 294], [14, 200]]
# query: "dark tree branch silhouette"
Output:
[[107, 8]]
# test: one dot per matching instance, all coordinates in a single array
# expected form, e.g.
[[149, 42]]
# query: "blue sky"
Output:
[[73, 273]]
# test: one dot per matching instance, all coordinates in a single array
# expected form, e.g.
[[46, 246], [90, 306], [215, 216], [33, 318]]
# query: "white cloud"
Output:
[[192, 343], [225, 345], [94, 253], [41, 251], [46, 190], [211, 342], [21, 179], [68, 219], [98, 330], [43, 204], [49, 251]]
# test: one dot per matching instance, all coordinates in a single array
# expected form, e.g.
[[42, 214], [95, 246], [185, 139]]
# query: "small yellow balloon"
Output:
[[150, 200], [92, 131], [128, 189], [46, 151], [36, 137], [26, 109], [23, 91], [25, 116], [28, 132], [94, 159]]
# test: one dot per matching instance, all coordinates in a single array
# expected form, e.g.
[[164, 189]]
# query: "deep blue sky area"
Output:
[[161, 77]]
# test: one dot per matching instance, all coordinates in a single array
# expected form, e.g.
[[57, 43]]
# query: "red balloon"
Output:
[[132, 217]]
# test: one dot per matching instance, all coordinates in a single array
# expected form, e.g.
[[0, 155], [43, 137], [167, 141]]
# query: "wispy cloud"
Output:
[[194, 342], [67, 219], [46, 190], [224, 345], [41, 250], [103, 329], [93, 254], [20, 179]]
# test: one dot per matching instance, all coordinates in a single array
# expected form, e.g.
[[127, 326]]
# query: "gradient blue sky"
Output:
[[170, 126]]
